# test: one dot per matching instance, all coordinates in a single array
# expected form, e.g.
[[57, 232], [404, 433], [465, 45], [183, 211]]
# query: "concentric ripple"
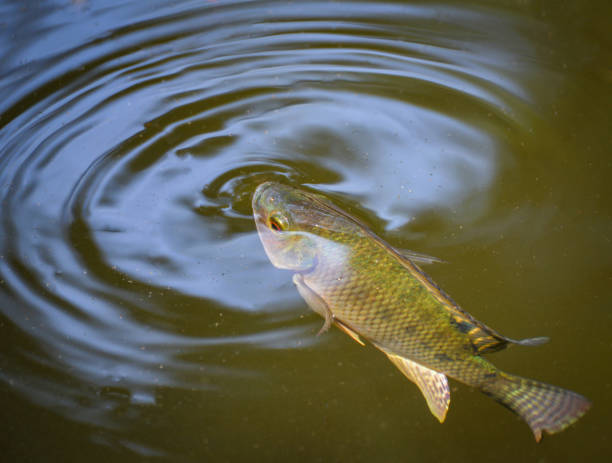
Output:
[[129, 261]]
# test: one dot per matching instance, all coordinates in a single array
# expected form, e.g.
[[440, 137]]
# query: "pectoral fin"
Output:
[[432, 384], [317, 304], [314, 302]]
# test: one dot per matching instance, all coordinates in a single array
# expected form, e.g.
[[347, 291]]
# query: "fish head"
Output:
[[296, 227]]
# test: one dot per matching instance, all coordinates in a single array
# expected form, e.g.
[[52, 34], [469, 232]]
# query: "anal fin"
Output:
[[433, 385]]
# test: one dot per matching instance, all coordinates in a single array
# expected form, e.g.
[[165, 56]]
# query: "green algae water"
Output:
[[140, 319]]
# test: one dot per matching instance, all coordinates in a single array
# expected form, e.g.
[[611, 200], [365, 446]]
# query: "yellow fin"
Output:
[[484, 339], [433, 385], [348, 331]]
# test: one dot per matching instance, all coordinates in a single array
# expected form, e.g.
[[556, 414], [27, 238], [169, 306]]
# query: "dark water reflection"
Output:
[[141, 318]]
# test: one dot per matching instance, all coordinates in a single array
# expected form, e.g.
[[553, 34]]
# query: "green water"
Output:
[[140, 319]]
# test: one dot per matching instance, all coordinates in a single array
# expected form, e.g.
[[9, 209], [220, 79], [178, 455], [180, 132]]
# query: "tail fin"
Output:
[[544, 407]]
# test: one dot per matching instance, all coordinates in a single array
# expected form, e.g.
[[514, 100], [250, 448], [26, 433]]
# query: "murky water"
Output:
[[139, 315]]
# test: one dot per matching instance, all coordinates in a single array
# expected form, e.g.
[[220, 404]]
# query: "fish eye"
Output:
[[277, 223]]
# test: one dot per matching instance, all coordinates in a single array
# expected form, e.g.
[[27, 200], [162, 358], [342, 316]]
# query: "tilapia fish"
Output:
[[373, 292]]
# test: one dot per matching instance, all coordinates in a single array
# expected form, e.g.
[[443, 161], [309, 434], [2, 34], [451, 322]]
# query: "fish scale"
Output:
[[369, 290]]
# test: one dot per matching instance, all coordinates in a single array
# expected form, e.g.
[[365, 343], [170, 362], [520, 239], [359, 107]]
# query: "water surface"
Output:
[[139, 316]]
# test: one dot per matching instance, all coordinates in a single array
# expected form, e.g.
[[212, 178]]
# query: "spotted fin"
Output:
[[484, 339], [544, 407], [433, 385]]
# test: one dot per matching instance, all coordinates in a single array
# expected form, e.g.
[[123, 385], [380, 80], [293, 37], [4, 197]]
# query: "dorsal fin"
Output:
[[483, 339], [325, 203]]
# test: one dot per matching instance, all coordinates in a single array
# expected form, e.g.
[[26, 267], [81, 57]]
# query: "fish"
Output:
[[378, 294]]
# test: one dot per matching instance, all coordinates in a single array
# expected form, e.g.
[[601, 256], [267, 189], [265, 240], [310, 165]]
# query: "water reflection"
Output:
[[129, 262]]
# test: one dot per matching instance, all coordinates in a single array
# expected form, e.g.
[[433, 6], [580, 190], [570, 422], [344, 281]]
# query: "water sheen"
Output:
[[139, 316]]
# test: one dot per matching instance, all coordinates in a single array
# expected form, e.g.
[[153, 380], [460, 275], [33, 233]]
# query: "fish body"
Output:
[[370, 290]]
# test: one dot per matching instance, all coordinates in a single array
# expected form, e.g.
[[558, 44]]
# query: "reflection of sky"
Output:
[[411, 158], [396, 153], [110, 205]]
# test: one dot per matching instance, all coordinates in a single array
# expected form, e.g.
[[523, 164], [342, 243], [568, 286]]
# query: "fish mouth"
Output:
[[256, 202], [261, 189], [267, 196], [259, 198]]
